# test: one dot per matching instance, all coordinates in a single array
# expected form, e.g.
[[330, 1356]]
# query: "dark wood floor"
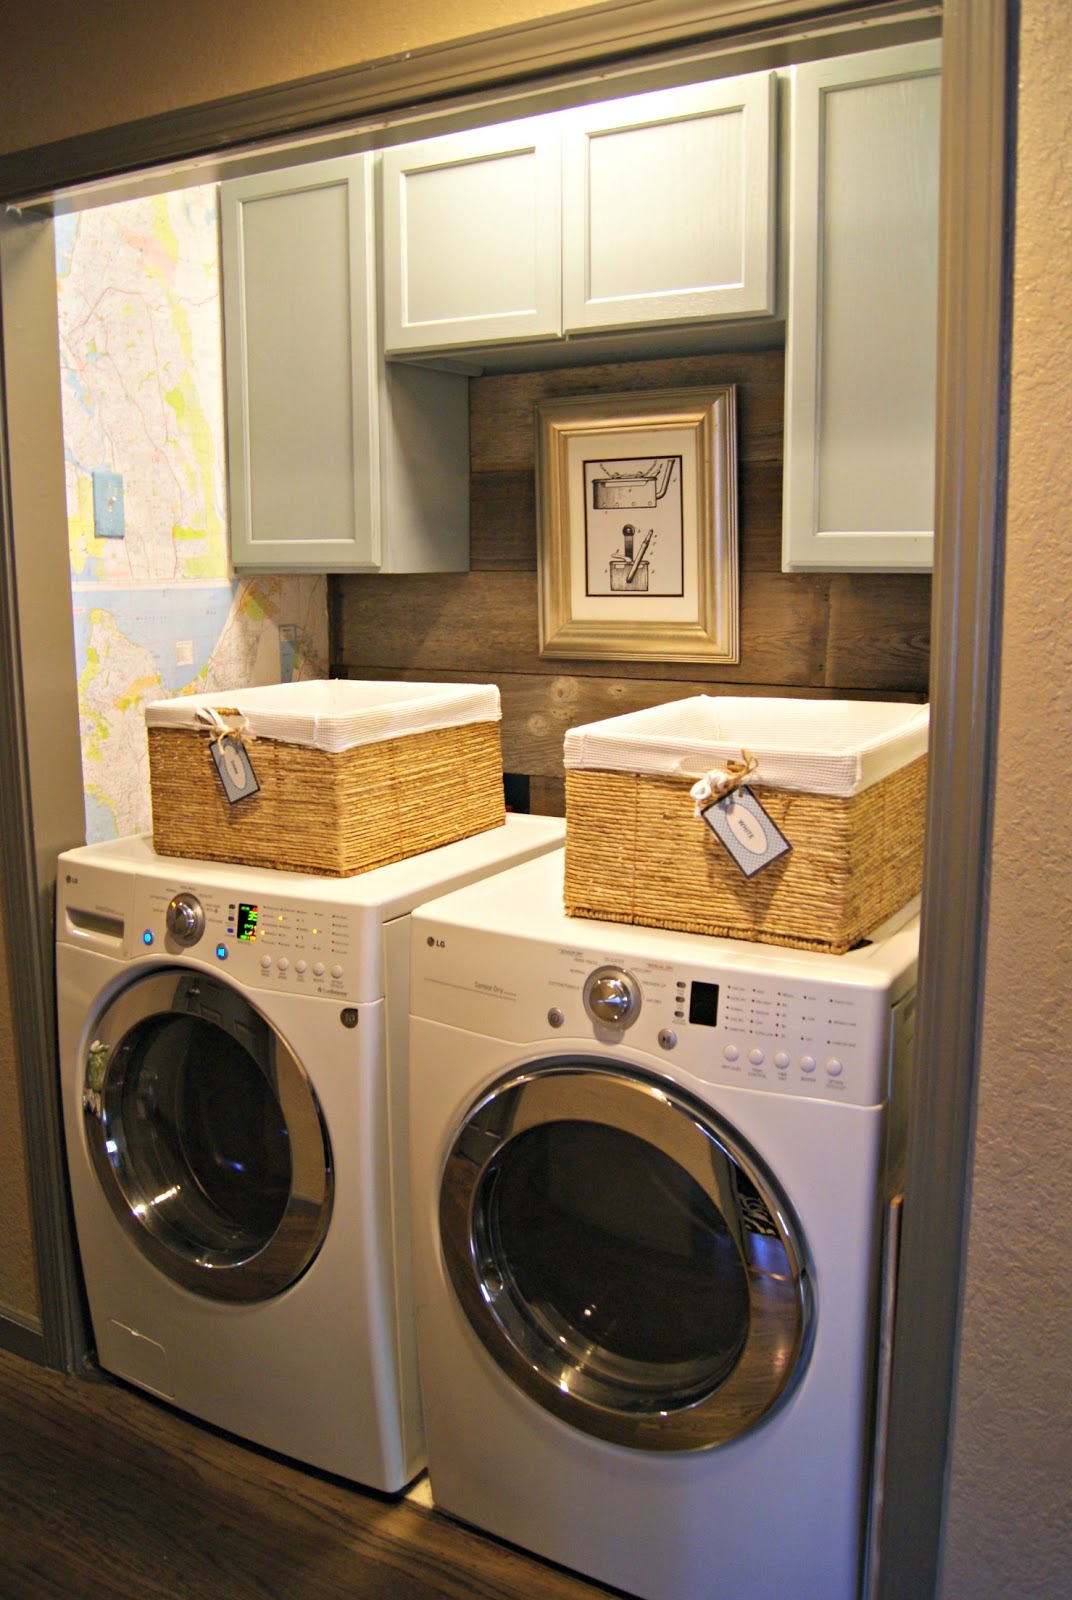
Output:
[[106, 1493]]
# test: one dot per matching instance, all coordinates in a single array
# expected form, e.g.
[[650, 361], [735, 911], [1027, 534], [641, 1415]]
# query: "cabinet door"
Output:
[[861, 333], [668, 206], [299, 334], [471, 238]]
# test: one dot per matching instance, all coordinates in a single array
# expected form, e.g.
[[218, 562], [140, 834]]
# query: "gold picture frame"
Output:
[[636, 502]]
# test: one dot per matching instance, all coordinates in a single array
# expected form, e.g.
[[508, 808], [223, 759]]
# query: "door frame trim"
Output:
[[509, 57]]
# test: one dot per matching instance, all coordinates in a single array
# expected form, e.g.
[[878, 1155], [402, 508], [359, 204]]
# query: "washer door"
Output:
[[623, 1256], [206, 1136]]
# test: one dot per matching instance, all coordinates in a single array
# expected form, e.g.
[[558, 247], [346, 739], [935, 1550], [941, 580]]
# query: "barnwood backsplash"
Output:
[[852, 635]]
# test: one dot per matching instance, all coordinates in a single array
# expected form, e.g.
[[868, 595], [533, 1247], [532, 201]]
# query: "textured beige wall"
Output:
[[1009, 1532], [18, 1277], [68, 67]]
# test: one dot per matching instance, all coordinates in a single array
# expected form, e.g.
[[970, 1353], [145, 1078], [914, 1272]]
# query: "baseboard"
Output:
[[22, 1336]]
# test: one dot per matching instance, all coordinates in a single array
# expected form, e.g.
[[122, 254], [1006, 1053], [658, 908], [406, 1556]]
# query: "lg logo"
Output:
[[436, 944]]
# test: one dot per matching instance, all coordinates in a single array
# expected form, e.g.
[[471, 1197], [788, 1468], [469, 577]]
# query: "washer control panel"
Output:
[[268, 943]]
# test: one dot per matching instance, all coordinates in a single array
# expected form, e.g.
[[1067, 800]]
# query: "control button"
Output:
[[667, 1038], [221, 952], [283, 964], [834, 1067], [300, 967], [611, 996], [807, 1063], [266, 962], [336, 972], [731, 1052], [318, 970], [147, 936], [555, 1017], [781, 1060], [185, 919], [756, 1057]]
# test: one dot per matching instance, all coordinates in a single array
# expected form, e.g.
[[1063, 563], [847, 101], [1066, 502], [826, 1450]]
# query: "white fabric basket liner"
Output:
[[828, 747], [333, 714]]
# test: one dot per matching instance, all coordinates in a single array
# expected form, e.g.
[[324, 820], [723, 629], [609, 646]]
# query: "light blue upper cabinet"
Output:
[[668, 206], [861, 321], [471, 238], [335, 462], [653, 209]]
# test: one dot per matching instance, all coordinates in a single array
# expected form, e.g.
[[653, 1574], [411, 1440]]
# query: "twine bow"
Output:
[[219, 730], [720, 782]]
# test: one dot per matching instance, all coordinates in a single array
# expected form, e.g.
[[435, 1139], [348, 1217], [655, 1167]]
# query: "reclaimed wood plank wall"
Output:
[[846, 635]]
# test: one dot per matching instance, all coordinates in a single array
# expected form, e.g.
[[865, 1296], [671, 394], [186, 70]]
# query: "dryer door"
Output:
[[624, 1257], [206, 1136]]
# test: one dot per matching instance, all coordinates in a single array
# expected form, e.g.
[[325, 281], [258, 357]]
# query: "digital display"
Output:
[[246, 923], [703, 1004]]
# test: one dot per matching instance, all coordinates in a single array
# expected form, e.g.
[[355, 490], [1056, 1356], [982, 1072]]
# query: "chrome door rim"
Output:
[[592, 1090], [215, 1273]]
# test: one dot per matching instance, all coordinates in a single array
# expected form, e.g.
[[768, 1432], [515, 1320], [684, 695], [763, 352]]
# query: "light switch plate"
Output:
[[108, 520]]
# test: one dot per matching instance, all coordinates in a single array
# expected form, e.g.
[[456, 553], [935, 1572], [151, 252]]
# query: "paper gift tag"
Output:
[[234, 767], [740, 823]]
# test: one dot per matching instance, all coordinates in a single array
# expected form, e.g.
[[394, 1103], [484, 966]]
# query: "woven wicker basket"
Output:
[[335, 813], [635, 852]]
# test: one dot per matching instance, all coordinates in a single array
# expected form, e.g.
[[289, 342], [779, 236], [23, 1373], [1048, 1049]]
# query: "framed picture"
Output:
[[636, 499]]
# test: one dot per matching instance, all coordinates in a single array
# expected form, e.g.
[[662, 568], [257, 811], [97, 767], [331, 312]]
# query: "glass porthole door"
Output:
[[624, 1258], [206, 1136]]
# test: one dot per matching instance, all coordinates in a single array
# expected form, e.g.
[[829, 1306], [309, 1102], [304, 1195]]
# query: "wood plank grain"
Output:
[[548, 797], [502, 521], [879, 631], [486, 622], [502, 407], [106, 1494], [840, 632]]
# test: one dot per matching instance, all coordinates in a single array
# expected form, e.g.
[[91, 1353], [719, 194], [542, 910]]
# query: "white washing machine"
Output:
[[234, 1054], [651, 1178]]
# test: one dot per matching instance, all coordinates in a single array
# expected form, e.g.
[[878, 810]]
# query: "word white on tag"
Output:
[[234, 767], [740, 823]]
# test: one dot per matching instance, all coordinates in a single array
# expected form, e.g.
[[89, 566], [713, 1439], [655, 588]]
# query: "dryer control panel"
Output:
[[765, 1028]]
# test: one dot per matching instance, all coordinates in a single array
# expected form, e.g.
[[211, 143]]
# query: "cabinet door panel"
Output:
[[668, 206], [471, 238], [861, 341], [300, 343]]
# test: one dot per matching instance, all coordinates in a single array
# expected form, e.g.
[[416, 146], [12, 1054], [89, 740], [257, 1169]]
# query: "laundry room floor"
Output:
[[105, 1492]]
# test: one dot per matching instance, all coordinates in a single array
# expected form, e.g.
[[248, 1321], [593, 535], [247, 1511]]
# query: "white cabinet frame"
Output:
[[668, 204], [471, 242], [300, 338]]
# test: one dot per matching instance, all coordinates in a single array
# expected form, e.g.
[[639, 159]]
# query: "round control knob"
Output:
[[611, 997], [185, 919]]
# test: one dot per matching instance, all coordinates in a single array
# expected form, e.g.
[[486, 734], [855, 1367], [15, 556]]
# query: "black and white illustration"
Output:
[[634, 529]]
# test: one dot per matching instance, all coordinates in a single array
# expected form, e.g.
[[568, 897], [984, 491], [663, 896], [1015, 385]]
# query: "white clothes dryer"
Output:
[[234, 1055], [650, 1177]]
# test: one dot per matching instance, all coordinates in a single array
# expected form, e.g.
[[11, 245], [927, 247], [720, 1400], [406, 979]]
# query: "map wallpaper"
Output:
[[157, 610]]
